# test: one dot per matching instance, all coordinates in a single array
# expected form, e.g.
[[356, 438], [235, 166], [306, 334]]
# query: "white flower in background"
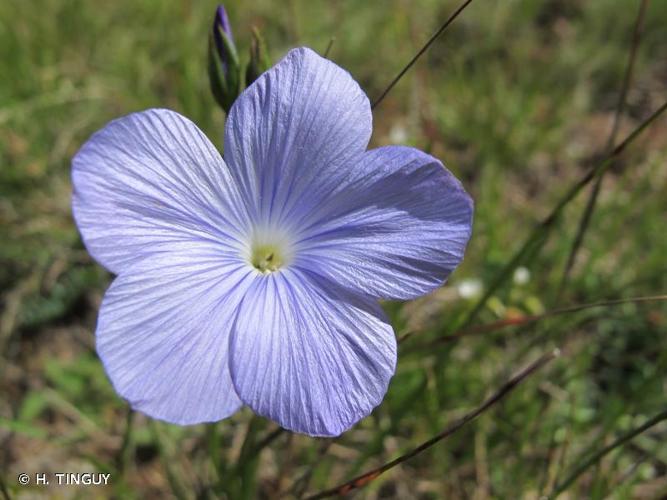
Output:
[[470, 288], [521, 276]]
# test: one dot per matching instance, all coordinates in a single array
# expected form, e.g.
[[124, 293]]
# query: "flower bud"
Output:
[[224, 70], [259, 58], [221, 26]]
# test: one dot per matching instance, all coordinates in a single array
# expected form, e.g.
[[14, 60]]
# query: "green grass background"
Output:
[[517, 99]]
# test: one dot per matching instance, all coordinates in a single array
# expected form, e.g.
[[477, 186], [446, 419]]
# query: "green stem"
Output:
[[123, 456], [242, 475], [214, 447], [541, 231], [594, 459]]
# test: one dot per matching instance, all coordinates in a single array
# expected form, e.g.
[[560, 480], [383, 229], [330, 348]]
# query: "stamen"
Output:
[[269, 249], [266, 258]]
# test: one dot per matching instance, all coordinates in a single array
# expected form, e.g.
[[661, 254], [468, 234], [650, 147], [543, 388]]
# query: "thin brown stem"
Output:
[[620, 108], [329, 45], [505, 389], [426, 46], [524, 320]]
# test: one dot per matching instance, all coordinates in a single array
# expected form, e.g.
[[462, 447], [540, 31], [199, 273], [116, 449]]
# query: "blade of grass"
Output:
[[620, 108], [426, 46], [596, 457], [505, 389], [541, 231]]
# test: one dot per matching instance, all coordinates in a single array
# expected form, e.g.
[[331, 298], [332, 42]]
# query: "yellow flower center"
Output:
[[267, 258], [269, 249]]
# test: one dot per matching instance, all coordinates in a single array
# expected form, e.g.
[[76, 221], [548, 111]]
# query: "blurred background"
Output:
[[517, 98]]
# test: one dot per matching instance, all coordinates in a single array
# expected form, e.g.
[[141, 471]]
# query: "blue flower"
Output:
[[255, 279]]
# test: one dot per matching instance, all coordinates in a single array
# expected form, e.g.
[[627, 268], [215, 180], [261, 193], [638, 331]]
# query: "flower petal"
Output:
[[309, 355], [395, 230], [148, 180], [163, 333], [294, 133]]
